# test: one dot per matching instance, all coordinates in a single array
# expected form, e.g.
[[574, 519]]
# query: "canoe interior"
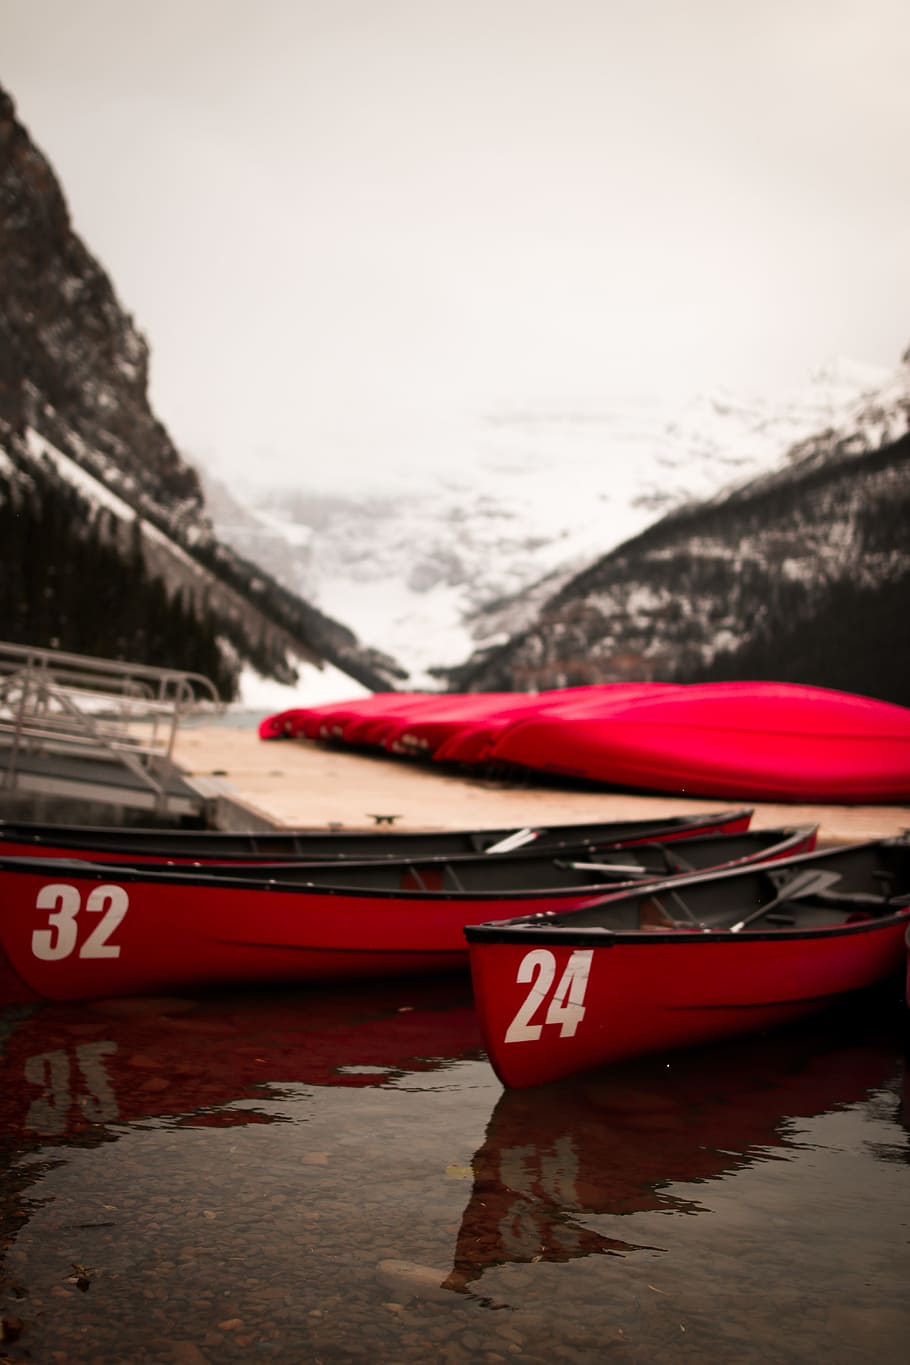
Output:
[[351, 844], [866, 882], [586, 868]]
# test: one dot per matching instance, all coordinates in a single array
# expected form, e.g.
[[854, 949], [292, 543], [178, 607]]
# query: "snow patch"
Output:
[[99, 495], [314, 686], [91, 489]]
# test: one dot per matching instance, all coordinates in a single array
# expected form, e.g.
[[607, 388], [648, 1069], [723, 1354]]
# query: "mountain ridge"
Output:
[[800, 574], [461, 562], [76, 431]]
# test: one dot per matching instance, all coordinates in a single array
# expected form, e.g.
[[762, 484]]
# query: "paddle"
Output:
[[675, 865], [634, 869], [810, 882], [513, 841], [673, 861], [667, 891]]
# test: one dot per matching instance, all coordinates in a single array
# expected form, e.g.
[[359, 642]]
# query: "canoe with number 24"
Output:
[[679, 963]]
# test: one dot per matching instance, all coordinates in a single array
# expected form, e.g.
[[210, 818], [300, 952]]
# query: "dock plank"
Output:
[[304, 784]]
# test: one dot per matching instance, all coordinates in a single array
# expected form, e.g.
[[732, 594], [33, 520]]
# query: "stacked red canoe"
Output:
[[750, 740]]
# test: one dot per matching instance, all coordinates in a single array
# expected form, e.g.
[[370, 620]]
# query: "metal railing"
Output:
[[52, 702]]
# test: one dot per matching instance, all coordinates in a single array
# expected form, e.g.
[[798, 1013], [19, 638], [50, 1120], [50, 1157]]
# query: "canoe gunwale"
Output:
[[535, 928], [318, 845], [78, 869], [255, 876], [597, 936]]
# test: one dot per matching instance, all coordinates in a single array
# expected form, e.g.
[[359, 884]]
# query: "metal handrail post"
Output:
[[18, 730]]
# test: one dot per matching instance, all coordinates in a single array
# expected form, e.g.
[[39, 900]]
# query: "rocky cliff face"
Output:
[[74, 364], [80, 449], [801, 574]]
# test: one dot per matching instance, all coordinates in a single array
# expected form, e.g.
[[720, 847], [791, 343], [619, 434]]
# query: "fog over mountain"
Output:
[[439, 566]]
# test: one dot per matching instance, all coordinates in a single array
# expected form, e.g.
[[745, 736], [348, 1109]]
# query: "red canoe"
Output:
[[328, 720], [471, 741], [741, 740], [26, 838], [417, 722], [757, 741], [71, 928], [670, 965], [423, 729], [449, 726]]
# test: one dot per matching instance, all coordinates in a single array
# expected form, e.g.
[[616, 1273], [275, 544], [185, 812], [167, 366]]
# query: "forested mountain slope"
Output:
[[802, 575], [106, 544]]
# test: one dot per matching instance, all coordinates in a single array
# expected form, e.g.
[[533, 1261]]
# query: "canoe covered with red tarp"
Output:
[[683, 962]]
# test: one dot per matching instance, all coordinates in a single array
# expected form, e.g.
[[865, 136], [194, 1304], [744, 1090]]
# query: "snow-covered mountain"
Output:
[[800, 574], [431, 566]]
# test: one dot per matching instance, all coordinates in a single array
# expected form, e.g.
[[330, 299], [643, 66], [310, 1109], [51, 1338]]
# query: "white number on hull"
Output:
[[111, 903], [542, 964], [64, 903], [60, 939], [567, 1005]]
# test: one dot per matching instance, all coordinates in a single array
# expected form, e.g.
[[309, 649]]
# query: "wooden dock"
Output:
[[300, 783]]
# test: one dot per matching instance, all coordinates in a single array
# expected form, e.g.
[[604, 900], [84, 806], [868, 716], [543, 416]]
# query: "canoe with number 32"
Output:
[[72, 928], [693, 959]]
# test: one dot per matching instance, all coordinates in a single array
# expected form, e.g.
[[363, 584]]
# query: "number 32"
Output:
[[64, 904]]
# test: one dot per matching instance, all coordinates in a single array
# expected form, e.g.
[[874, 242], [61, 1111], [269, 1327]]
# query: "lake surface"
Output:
[[337, 1175]]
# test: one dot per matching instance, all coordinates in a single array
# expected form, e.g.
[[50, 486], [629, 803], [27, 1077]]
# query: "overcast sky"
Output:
[[345, 224]]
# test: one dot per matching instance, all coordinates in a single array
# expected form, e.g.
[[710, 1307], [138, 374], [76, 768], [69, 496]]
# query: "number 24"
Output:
[[64, 904], [567, 1006]]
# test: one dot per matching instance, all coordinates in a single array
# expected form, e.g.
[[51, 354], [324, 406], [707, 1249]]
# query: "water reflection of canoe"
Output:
[[618, 1143], [75, 841], [698, 958], [73, 928], [69, 1072]]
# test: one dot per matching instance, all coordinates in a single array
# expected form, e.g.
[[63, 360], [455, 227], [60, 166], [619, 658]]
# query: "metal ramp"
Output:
[[83, 729]]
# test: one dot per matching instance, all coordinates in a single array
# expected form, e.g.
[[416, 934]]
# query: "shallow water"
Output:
[[338, 1176]]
